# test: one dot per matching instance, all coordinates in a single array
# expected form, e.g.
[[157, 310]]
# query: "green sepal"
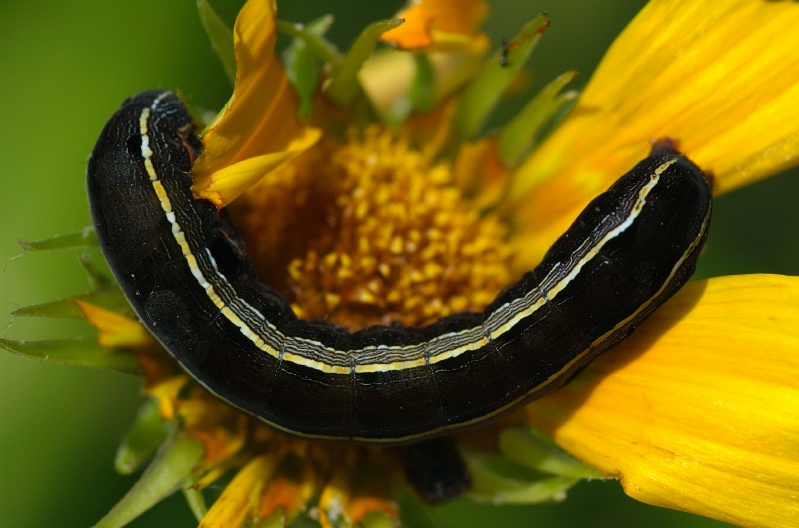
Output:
[[196, 501], [497, 480], [484, 93], [109, 298], [414, 512], [421, 94], [303, 520], [170, 469], [83, 239], [377, 519], [529, 448], [83, 351], [521, 134], [302, 67], [320, 48], [99, 276], [211, 122], [221, 37], [344, 85], [423, 90], [61, 309], [142, 440], [200, 116]]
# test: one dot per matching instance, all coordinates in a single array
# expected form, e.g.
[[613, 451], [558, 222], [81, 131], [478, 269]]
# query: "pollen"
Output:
[[372, 232]]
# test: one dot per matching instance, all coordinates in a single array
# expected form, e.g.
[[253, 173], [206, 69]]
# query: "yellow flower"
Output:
[[387, 203], [707, 427]]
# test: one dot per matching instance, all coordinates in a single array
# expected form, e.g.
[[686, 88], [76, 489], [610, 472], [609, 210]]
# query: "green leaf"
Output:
[[484, 93], [83, 239], [142, 440], [344, 85], [531, 449], [301, 66], [83, 351], [520, 135], [171, 467], [221, 38]]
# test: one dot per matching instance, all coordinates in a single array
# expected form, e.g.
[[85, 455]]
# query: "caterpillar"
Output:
[[188, 277]]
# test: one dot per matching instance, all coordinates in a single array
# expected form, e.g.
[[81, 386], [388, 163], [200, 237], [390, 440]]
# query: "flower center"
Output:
[[372, 232]]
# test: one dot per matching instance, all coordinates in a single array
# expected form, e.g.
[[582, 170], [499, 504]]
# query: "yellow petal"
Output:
[[259, 127], [699, 409], [233, 508], [227, 183], [443, 23], [720, 77], [115, 330], [166, 393]]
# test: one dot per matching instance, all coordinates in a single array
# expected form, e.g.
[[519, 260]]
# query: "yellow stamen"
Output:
[[378, 234]]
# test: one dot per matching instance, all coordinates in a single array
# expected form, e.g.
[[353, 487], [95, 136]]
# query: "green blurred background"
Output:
[[64, 69]]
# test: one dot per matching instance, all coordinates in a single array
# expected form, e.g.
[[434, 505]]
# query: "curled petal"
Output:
[[708, 74], [258, 130], [697, 411]]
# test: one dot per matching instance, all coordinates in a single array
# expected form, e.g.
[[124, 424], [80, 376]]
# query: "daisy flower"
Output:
[[370, 190]]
